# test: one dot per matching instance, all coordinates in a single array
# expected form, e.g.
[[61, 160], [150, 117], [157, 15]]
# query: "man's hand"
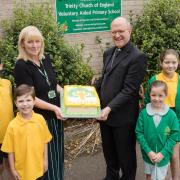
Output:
[[104, 114]]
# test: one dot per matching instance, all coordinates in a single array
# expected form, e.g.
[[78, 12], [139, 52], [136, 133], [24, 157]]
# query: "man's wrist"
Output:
[[108, 108]]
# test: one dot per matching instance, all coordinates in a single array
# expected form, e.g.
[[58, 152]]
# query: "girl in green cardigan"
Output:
[[169, 61], [157, 130]]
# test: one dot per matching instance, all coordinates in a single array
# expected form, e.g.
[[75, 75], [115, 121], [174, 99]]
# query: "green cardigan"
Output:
[[177, 101], [161, 139]]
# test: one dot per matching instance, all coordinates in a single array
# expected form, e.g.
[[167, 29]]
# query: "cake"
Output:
[[80, 101]]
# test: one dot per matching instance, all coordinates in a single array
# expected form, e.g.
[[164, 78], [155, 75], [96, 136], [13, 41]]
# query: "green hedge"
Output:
[[157, 29], [67, 60]]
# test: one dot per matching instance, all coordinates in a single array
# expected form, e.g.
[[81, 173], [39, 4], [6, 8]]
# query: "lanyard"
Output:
[[43, 73]]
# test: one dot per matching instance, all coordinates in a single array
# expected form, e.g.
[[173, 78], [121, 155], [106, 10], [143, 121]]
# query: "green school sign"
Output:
[[87, 15]]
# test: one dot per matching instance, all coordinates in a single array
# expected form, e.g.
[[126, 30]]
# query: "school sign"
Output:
[[87, 15]]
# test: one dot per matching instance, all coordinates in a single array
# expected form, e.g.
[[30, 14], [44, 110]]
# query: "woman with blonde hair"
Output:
[[35, 69]]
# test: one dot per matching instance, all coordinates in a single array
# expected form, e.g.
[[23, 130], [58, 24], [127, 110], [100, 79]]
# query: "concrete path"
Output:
[[92, 167]]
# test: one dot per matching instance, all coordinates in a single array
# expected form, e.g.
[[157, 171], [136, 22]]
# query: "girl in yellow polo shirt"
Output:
[[6, 114], [169, 61]]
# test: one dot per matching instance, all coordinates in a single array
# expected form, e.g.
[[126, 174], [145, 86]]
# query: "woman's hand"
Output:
[[57, 111], [50, 107]]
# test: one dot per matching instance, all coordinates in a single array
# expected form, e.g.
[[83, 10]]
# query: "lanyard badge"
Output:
[[51, 94]]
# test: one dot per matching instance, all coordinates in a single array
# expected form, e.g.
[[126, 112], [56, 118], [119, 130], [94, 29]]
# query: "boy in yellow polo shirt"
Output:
[[26, 138], [6, 114]]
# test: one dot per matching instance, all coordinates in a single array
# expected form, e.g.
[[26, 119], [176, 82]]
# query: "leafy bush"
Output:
[[157, 29], [67, 60]]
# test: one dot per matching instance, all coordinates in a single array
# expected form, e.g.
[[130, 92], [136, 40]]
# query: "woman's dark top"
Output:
[[26, 72]]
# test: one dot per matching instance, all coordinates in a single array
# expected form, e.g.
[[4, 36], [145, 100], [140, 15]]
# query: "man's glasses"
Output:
[[118, 32]]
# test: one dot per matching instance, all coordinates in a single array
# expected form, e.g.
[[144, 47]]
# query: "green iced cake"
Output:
[[80, 102]]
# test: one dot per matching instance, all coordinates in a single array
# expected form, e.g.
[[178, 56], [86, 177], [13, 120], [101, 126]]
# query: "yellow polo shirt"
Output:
[[26, 139], [6, 106], [172, 88]]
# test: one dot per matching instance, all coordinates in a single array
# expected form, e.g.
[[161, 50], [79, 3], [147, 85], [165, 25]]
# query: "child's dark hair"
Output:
[[167, 52], [157, 84], [23, 90]]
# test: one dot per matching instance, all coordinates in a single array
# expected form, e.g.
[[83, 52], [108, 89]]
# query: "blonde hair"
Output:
[[29, 32]]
